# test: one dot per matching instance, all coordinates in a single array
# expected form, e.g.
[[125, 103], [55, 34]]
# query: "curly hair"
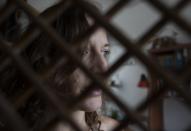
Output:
[[40, 54]]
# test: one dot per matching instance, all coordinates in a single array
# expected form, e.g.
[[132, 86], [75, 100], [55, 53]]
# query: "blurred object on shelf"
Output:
[[143, 83]]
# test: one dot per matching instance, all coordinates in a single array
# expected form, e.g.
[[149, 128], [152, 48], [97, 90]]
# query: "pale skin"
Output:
[[95, 58], [108, 124]]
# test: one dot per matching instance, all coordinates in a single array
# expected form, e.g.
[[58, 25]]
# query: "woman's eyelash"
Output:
[[85, 52], [106, 52]]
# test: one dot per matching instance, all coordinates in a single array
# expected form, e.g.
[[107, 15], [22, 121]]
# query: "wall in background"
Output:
[[134, 21]]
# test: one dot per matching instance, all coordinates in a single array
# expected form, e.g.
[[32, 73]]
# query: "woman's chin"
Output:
[[91, 104]]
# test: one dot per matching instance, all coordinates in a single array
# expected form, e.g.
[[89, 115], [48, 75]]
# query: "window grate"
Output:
[[134, 49]]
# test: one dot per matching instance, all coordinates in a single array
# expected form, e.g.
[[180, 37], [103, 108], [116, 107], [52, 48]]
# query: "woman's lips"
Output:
[[96, 92]]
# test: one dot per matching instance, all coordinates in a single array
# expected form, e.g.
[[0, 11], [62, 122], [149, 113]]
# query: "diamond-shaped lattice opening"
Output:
[[128, 19], [133, 48]]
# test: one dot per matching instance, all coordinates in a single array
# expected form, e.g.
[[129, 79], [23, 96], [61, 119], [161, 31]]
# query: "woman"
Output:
[[68, 80], [93, 52]]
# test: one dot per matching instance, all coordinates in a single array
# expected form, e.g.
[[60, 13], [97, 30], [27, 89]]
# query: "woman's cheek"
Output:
[[80, 81]]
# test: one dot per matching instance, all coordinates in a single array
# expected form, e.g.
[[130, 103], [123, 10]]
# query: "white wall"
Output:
[[134, 21], [177, 117]]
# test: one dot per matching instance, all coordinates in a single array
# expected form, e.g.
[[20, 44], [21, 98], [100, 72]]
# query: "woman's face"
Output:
[[95, 58]]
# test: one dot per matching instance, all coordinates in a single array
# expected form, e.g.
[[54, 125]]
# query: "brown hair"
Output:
[[42, 52]]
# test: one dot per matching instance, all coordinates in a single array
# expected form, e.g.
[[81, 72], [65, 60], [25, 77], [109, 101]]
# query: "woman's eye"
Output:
[[106, 53], [85, 52]]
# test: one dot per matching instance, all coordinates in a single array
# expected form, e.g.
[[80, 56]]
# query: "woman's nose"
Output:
[[100, 64]]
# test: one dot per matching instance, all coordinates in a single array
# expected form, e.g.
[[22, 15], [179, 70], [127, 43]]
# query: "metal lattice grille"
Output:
[[134, 49]]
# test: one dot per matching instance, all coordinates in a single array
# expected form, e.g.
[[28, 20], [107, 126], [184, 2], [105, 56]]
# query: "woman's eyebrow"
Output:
[[107, 45]]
